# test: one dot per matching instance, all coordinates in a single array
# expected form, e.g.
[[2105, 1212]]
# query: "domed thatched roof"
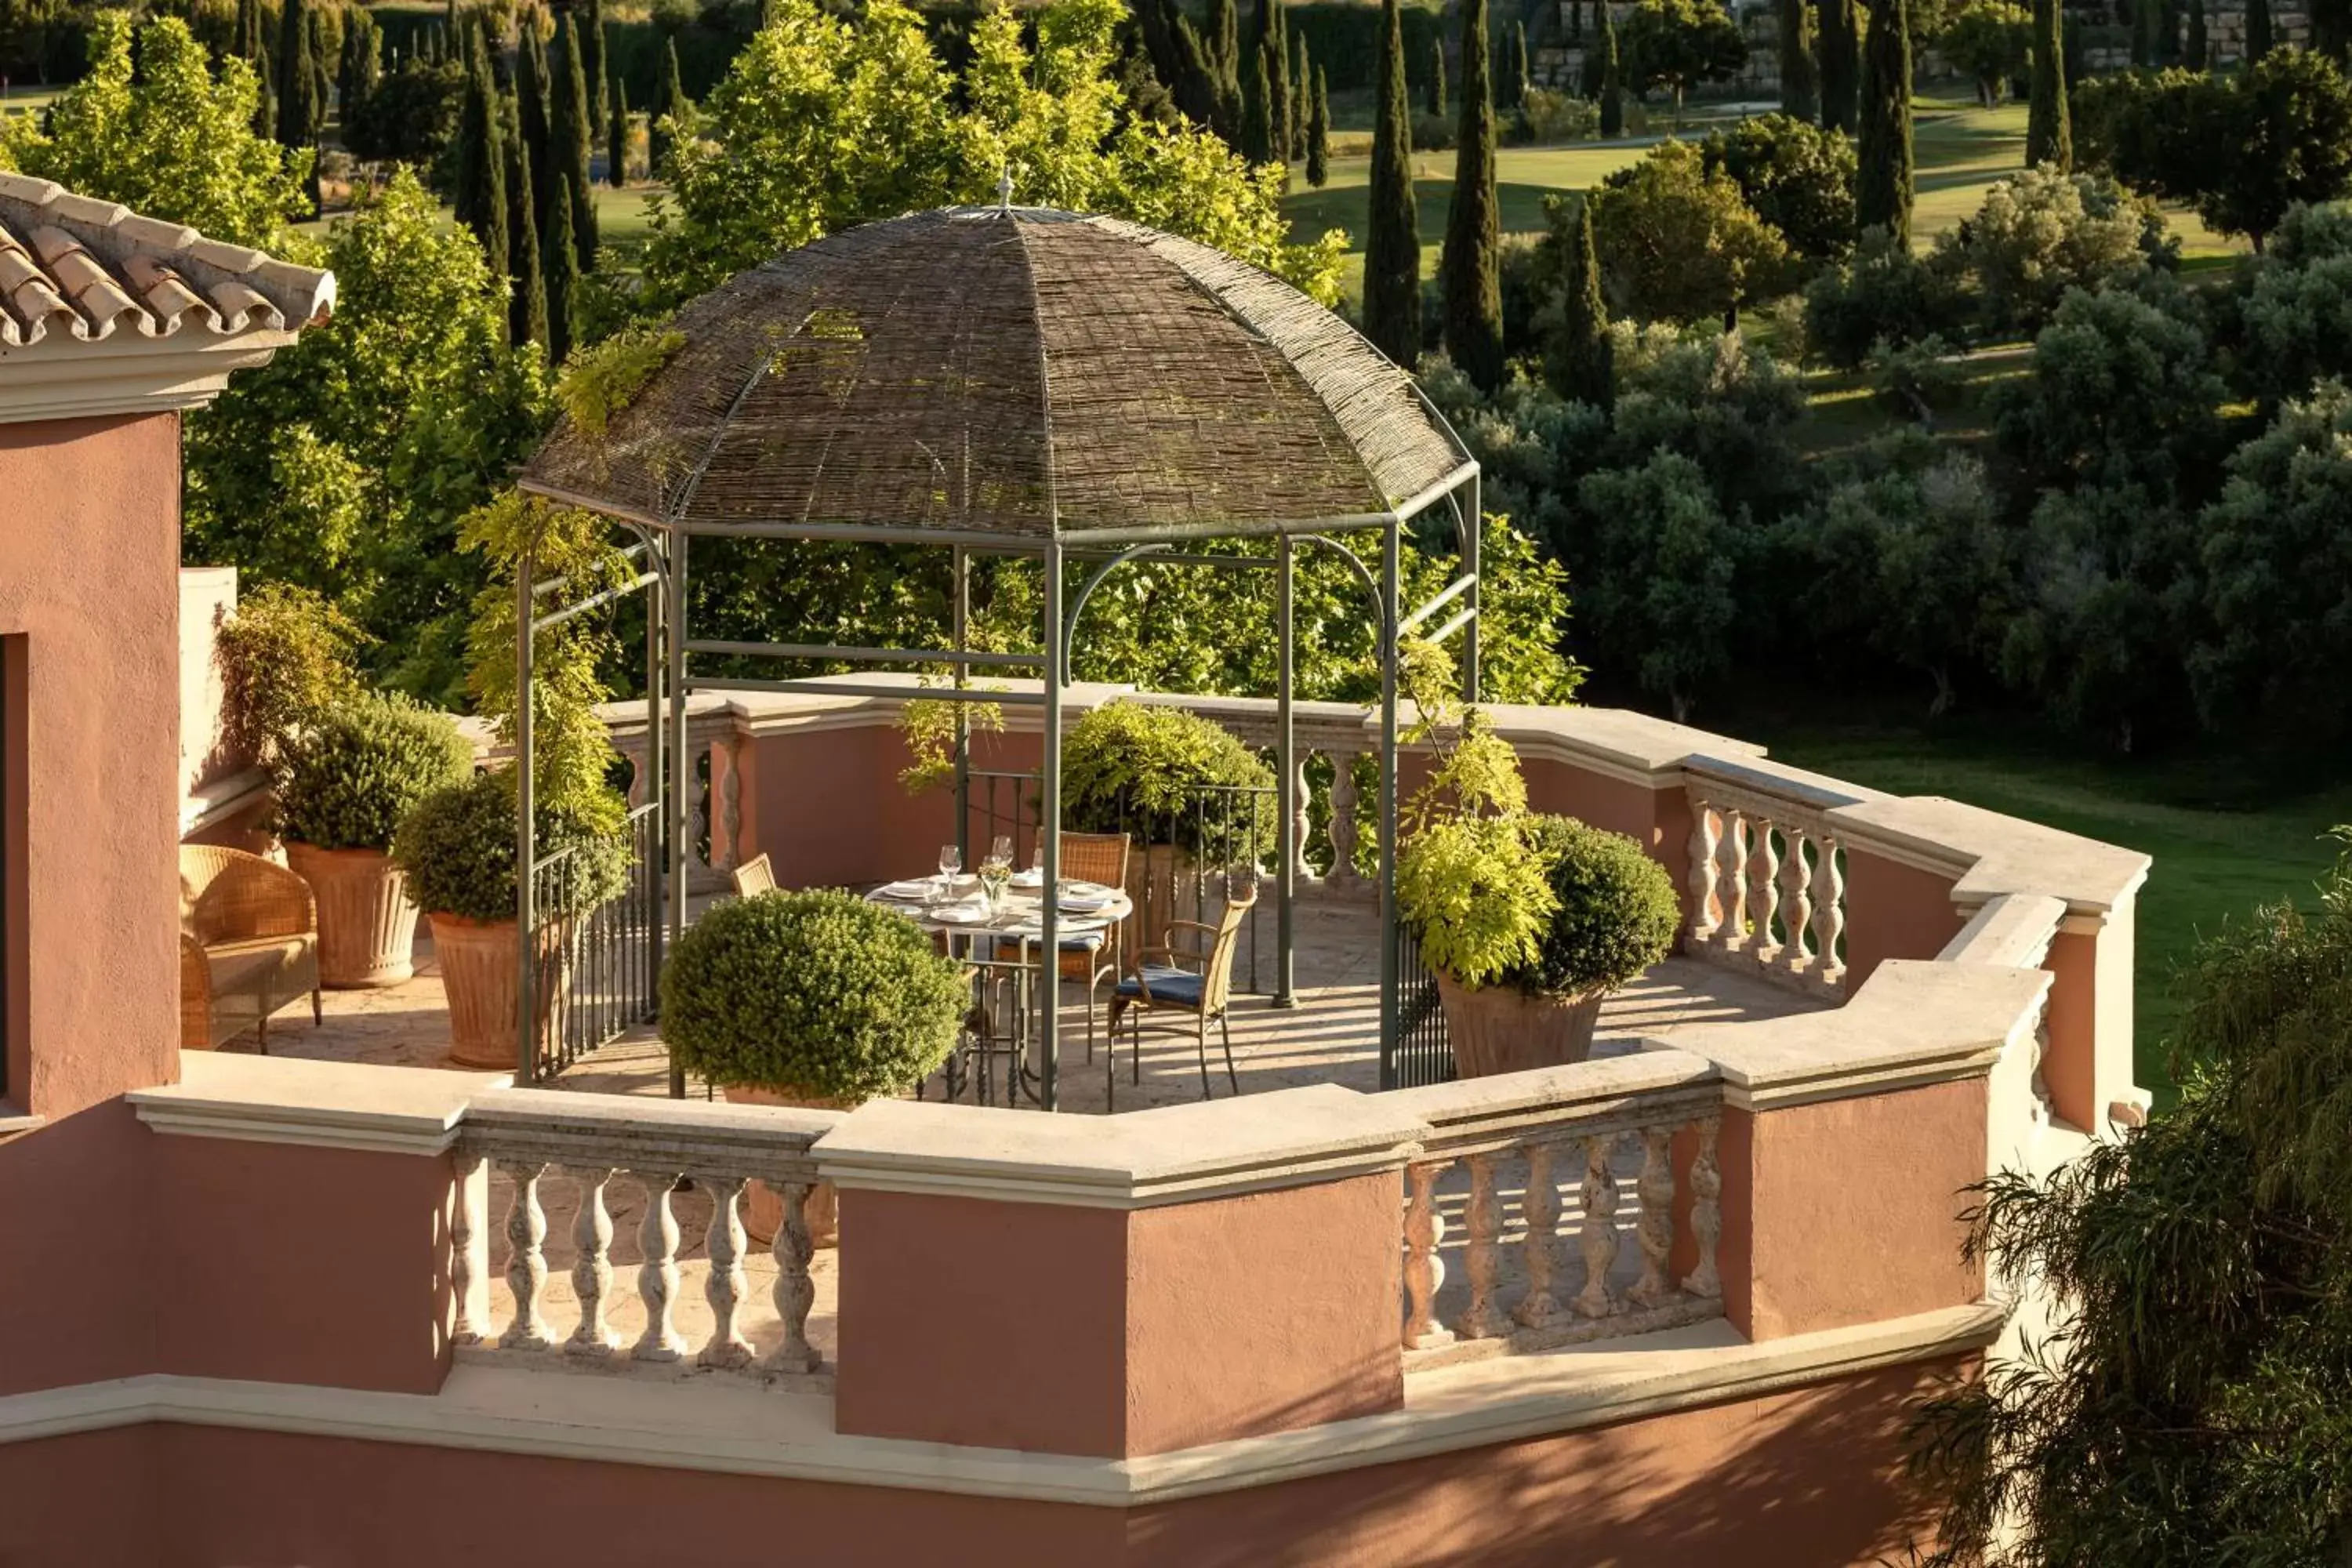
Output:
[[997, 374]]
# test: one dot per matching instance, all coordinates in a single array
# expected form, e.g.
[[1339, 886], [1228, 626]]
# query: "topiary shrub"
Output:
[[1129, 767], [1614, 911], [286, 656], [457, 846], [817, 994], [346, 782]]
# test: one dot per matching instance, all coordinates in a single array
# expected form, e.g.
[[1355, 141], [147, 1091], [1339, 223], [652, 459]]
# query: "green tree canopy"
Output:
[[1989, 41], [1797, 177], [1679, 244], [2040, 233], [1680, 44]]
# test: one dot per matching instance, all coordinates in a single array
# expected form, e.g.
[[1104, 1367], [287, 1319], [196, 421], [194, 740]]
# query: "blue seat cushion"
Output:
[[1169, 986]]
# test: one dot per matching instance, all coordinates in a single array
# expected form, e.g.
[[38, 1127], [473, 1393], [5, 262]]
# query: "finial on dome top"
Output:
[[1004, 190]]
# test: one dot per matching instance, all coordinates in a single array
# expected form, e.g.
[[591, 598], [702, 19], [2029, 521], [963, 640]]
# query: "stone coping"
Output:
[[690, 1137], [715, 1426], [1989, 853], [1914, 1021], [2014, 929], [1139, 1159], [1469, 1113], [333, 1105]]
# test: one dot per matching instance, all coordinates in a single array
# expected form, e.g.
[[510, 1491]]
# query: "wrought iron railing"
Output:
[[597, 974], [1424, 1054]]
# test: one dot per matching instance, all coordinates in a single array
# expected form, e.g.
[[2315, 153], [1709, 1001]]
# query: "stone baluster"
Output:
[[1764, 878], [1424, 1271], [1797, 902], [657, 1274], [1828, 914], [1539, 1305], [527, 1262], [636, 758], [725, 1288], [591, 1267], [1343, 821], [698, 823], [727, 846], [469, 1252], [1733, 937], [1599, 1240], [1481, 1320], [1705, 1279], [1654, 1230], [1705, 839], [796, 1292], [1302, 873]]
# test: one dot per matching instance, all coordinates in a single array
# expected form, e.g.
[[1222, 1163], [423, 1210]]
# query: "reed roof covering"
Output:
[[1008, 374]]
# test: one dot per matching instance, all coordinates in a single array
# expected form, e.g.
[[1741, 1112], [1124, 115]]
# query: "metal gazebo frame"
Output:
[[664, 538]]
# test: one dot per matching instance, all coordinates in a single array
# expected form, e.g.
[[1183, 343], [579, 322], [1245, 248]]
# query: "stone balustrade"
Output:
[[1766, 875], [664, 1151]]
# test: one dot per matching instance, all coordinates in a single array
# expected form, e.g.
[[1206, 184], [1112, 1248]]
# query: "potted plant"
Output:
[[813, 999], [343, 784], [1143, 770], [457, 847], [1529, 921]]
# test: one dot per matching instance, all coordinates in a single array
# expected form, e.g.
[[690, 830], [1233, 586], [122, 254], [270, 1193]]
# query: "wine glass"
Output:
[[1002, 849], [950, 862]]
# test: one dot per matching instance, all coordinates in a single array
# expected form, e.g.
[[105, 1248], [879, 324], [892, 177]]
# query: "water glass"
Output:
[[950, 862]]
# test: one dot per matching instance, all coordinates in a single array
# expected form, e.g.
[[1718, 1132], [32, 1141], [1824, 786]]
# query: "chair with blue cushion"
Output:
[[1190, 985]]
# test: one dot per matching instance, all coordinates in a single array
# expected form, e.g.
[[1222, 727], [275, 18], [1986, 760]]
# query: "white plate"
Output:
[[1028, 879], [907, 892], [960, 915]]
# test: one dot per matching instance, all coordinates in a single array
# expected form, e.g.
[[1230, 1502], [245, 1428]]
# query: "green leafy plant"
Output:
[[928, 726], [1130, 767], [285, 660], [457, 846], [818, 993], [1614, 910], [600, 382], [345, 781]]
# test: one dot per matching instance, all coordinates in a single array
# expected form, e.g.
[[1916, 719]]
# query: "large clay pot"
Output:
[[367, 927], [479, 971], [1501, 1028], [763, 1207]]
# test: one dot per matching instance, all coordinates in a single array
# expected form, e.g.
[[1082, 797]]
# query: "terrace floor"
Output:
[[1331, 1035]]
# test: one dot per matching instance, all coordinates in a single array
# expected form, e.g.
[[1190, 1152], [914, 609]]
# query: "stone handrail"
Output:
[[1767, 877], [658, 1146]]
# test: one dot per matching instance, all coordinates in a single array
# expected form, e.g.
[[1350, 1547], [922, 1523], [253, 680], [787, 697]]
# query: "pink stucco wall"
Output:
[[1893, 910], [1806, 1478], [90, 612], [1656, 819]]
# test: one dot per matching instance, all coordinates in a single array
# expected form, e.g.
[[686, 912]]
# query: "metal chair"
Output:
[[754, 876], [1199, 994]]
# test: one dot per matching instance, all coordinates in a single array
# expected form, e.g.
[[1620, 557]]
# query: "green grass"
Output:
[[2225, 835], [1961, 150]]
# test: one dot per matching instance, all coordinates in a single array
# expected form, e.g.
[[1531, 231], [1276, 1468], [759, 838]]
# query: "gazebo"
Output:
[[1017, 381]]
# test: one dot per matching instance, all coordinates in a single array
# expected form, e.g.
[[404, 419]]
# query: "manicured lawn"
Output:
[[1961, 150], [2225, 835]]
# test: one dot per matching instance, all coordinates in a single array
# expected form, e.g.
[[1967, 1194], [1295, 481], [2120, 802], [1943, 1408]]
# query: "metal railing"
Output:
[[598, 974], [1425, 1052]]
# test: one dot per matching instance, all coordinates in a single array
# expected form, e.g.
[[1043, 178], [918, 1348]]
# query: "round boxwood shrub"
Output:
[[345, 781], [1615, 912], [457, 846], [819, 993], [1138, 768]]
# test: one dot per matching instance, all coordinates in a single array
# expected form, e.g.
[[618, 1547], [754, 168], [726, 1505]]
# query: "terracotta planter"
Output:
[[480, 973], [763, 1206], [1500, 1028], [367, 927]]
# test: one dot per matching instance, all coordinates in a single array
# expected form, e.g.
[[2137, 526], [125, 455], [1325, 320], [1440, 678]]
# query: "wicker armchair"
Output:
[[754, 876], [1159, 983], [248, 945]]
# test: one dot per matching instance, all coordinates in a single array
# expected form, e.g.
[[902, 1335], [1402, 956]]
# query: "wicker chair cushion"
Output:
[[1170, 987]]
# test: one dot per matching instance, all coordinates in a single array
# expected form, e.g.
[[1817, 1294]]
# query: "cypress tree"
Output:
[[617, 137], [2196, 54], [1580, 359], [363, 61], [2331, 28], [1613, 82], [2049, 135], [593, 60], [1302, 95], [1593, 65], [2143, 34], [530, 102], [1522, 74], [2168, 32], [1225, 41], [1257, 130], [322, 74], [1576, 21], [1471, 267], [1319, 134], [1278, 114], [1882, 186], [1839, 65], [669, 99], [1435, 86], [1392, 240], [2259, 39], [298, 81], [246, 42], [527, 298], [265, 108], [479, 199], [561, 263], [567, 146], [1801, 88]]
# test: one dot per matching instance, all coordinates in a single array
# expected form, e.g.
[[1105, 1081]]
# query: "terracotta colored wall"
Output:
[[89, 604], [1658, 820], [1803, 1479], [2070, 1067], [1893, 910], [335, 1271], [1113, 1333], [1848, 1211], [1264, 1312]]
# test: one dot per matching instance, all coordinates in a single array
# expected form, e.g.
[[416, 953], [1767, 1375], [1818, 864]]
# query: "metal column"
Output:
[[677, 815], [1285, 796], [1473, 531], [526, 838], [650, 772], [1049, 1010], [1390, 991], [962, 615]]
